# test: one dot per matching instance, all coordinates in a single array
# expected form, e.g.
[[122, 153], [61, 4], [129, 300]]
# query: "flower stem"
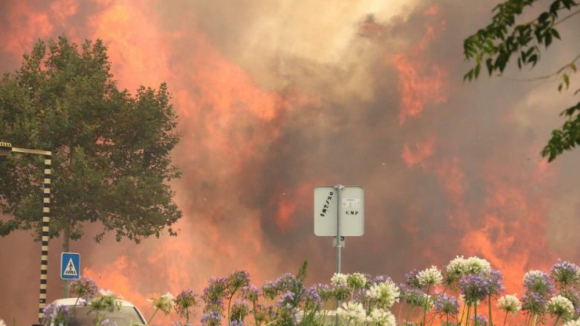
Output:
[[425, 306], [151, 318], [489, 306], [505, 318], [556, 321]]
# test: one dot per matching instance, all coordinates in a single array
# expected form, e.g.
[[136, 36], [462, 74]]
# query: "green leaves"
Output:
[[111, 150], [503, 38]]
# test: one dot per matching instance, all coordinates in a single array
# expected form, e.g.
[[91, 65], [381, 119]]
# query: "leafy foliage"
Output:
[[111, 161], [503, 39]]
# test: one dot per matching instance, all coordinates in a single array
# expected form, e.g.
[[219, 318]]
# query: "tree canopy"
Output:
[[504, 39], [111, 150]]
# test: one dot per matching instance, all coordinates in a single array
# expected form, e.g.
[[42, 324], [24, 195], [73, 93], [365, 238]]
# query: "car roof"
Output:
[[72, 301]]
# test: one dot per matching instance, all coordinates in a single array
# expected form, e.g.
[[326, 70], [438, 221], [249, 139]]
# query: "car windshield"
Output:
[[84, 316]]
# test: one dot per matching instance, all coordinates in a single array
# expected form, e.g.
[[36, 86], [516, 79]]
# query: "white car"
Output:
[[126, 315]]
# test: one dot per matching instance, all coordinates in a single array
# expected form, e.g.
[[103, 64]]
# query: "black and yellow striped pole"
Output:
[[5, 149]]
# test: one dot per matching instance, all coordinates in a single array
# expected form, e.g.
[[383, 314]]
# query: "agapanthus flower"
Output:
[[411, 296], [58, 314], [239, 279], [84, 288], [164, 303], [534, 303], [341, 292], [352, 311], [212, 318], [493, 282], [446, 305], [565, 273], [572, 323], [380, 317], [509, 303], [356, 281], [411, 279], [429, 277], [538, 282], [286, 300], [236, 323], [473, 288], [324, 291], [312, 300], [384, 293], [2, 323], [457, 266], [240, 309], [184, 301], [106, 300], [270, 290], [476, 265], [560, 306], [339, 279], [251, 293], [286, 282], [479, 320], [381, 278], [216, 290]]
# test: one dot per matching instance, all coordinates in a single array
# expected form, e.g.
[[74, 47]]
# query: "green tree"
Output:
[[504, 39], [111, 150]]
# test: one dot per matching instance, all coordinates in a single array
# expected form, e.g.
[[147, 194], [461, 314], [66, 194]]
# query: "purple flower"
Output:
[[474, 288], [251, 293], [411, 279], [565, 273], [446, 305], [411, 296], [538, 282], [286, 300], [534, 303], [381, 278], [479, 320], [217, 289], [185, 300], [212, 318], [84, 288], [493, 282], [312, 299], [239, 279], [324, 291]]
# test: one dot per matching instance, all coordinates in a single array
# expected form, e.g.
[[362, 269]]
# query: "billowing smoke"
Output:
[[278, 97]]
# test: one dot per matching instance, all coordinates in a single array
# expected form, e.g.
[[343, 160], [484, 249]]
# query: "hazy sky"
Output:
[[278, 97]]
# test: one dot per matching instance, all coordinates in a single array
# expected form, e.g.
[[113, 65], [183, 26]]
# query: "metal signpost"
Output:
[[5, 149], [339, 212]]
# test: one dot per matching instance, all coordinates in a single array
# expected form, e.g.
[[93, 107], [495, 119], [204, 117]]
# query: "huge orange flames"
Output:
[[246, 189]]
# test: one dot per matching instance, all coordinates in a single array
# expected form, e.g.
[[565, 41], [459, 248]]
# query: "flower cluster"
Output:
[[429, 277], [385, 294], [446, 305], [84, 288], [565, 273], [185, 301], [59, 315], [561, 307], [509, 303]]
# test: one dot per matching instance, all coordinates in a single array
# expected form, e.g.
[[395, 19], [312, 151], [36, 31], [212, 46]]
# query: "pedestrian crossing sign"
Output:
[[70, 266]]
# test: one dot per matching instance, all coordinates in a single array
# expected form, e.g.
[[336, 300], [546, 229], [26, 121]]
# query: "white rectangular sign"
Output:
[[351, 211]]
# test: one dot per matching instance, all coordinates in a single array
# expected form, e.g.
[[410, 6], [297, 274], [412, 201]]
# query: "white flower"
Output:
[[386, 293], [509, 303], [430, 276], [457, 266], [2, 323], [572, 323], [164, 303], [380, 317], [338, 279], [356, 280], [476, 265], [352, 311], [560, 306], [106, 293]]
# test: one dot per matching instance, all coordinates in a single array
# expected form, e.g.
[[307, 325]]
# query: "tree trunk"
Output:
[[65, 248]]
